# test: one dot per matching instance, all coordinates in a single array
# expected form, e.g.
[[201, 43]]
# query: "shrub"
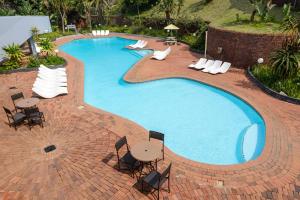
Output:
[[48, 61], [14, 54], [290, 86], [284, 61], [33, 62], [47, 46]]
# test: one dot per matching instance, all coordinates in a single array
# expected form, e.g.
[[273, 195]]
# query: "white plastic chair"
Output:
[[102, 33], [94, 32], [98, 33]]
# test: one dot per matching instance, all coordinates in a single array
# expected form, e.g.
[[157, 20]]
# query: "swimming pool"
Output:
[[200, 122]]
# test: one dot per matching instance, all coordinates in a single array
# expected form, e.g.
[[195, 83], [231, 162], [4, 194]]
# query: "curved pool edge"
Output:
[[244, 167]]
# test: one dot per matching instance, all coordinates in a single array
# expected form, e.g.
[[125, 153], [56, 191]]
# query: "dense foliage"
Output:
[[14, 55], [48, 61], [290, 86]]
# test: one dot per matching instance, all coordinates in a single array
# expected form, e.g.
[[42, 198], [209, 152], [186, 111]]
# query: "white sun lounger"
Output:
[[106, 32], [209, 63], [94, 33], [217, 64], [55, 72], [223, 69], [135, 44], [161, 55], [50, 92], [53, 69], [53, 78], [199, 64], [143, 44], [47, 83]]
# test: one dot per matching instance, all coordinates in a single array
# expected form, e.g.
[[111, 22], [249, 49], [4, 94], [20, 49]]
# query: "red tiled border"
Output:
[[275, 174]]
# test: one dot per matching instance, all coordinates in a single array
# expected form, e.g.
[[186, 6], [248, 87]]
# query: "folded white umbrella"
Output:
[[161, 55], [217, 64], [223, 69], [200, 63], [50, 92]]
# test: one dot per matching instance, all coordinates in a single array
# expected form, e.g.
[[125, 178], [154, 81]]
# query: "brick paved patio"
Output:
[[83, 165]]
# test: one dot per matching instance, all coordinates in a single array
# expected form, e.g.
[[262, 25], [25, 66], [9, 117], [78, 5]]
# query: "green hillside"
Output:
[[223, 13]]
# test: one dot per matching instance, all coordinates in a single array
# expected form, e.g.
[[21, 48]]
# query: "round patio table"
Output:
[[27, 103], [145, 152]]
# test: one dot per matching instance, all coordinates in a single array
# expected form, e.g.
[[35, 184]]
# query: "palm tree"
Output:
[[62, 7], [88, 4]]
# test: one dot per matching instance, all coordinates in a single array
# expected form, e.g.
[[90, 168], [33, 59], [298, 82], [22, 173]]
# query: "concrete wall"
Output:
[[241, 49], [16, 29]]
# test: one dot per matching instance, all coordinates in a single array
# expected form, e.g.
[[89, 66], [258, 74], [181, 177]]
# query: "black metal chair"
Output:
[[16, 97], [34, 117], [14, 119], [127, 159], [156, 179], [158, 136]]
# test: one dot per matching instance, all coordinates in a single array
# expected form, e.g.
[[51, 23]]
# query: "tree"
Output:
[[62, 7], [138, 3], [169, 6], [88, 4], [262, 8]]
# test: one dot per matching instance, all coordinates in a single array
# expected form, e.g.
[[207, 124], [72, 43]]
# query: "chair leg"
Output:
[[158, 194], [169, 190]]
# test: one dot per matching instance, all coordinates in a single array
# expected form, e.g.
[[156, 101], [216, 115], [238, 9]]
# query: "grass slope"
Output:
[[222, 13]]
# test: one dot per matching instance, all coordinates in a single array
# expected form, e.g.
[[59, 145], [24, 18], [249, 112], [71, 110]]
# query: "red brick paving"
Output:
[[83, 166]]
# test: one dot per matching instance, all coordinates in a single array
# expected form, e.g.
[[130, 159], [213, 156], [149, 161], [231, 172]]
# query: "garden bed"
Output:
[[272, 92], [50, 61]]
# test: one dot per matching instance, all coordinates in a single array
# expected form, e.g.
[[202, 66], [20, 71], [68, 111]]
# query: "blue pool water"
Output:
[[200, 122]]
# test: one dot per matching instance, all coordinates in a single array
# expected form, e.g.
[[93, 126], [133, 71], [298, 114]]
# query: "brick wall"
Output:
[[241, 49]]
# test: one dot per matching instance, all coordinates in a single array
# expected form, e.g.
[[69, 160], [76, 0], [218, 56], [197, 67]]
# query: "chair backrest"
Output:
[[17, 96], [202, 61], [225, 67], [218, 63], [7, 111], [165, 174], [156, 135], [120, 143], [29, 111]]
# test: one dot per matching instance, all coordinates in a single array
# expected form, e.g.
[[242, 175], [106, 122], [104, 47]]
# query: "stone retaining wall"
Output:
[[242, 49]]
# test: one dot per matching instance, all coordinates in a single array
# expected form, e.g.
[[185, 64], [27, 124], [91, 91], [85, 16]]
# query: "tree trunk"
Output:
[[89, 20], [62, 16], [138, 9], [253, 15], [168, 15]]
